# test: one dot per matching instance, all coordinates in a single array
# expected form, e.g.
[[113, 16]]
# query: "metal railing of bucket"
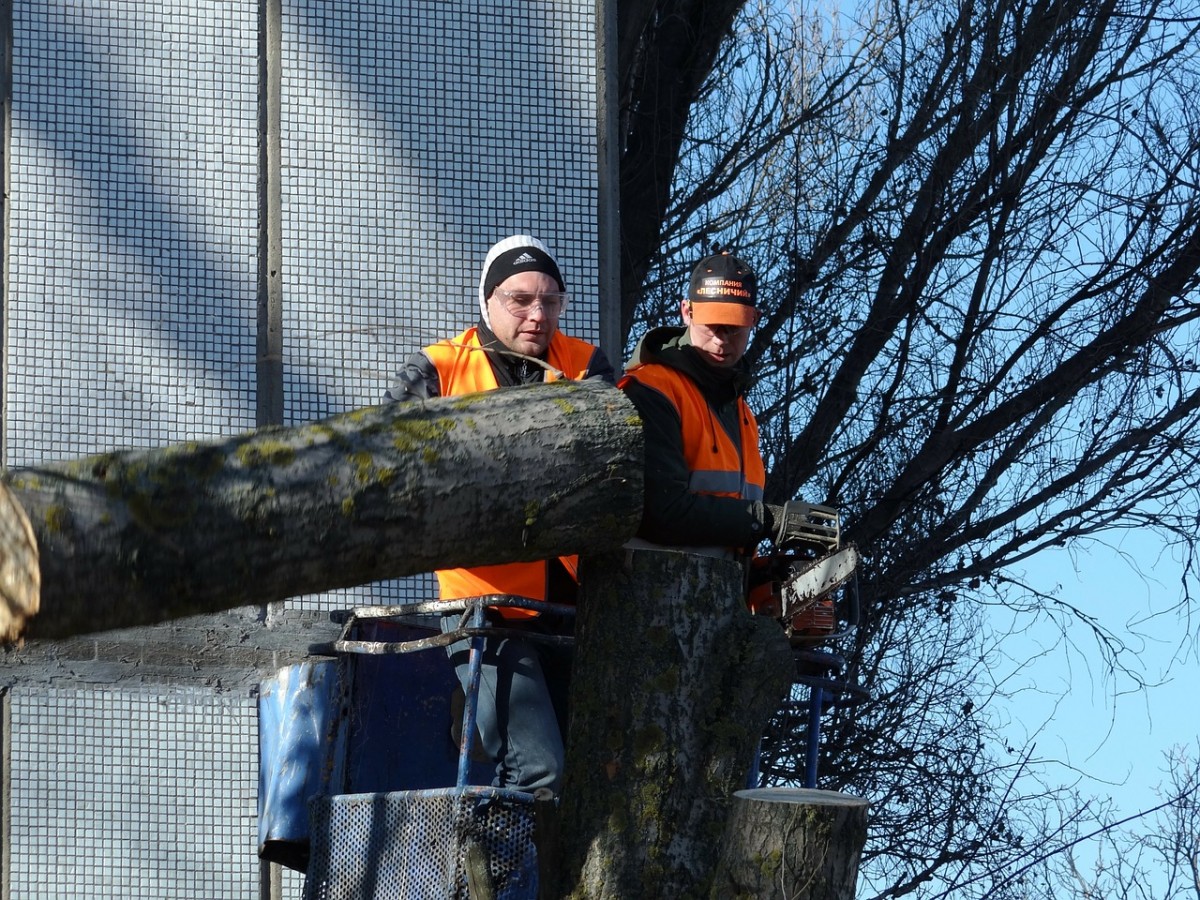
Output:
[[464, 841]]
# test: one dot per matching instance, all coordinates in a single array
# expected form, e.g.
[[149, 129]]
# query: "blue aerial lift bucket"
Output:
[[363, 787]]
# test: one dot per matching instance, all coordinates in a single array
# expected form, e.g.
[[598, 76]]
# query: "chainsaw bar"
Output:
[[818, 579]]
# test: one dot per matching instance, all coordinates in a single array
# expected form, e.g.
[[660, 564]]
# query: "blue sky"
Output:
[[1097, 721]]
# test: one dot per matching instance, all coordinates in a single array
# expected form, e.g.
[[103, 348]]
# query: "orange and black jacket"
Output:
[[463, 365], [704, 471]]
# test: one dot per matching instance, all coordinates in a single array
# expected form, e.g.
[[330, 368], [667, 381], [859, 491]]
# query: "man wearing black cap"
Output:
[[522, 694], [704, 472]]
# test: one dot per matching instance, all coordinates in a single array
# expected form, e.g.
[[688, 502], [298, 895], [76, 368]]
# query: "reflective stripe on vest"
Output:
[[464, 367], [716, 464], [727, 484]]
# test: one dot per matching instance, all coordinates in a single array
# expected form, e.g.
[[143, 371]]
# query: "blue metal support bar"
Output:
[[816, 700], [471, 700]]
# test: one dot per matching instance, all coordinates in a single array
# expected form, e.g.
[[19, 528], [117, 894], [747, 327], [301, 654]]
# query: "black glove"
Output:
[[797, 524]]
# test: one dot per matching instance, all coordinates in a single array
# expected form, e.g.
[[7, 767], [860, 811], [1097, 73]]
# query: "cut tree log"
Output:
[[674, 682], [20, 576], [141, 536], [791, 842]]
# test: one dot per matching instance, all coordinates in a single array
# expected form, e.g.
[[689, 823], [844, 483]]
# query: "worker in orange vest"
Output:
[[704, 474], [704, 471], [523, 689]]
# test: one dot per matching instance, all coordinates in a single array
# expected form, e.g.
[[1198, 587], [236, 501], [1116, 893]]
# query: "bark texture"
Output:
[[791, 843], [674, 682], [134, 537]]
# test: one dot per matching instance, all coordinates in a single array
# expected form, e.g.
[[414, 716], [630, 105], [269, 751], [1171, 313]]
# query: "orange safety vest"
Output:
[[463, 367], [716, 464]]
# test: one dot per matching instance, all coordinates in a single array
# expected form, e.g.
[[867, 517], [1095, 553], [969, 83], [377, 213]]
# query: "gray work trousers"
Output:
[[522, 706]]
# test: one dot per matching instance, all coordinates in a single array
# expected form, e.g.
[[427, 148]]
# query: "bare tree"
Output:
[[1160, 860], [977, 226]]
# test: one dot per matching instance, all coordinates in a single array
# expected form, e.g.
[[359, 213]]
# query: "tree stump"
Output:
[[674, 682], [792, 843], [140, 536]]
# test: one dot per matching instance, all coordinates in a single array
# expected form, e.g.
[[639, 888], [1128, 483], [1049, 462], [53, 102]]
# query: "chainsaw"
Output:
[[795, 585]]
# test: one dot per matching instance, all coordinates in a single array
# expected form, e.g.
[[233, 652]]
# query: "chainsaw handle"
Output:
[[801, 524]]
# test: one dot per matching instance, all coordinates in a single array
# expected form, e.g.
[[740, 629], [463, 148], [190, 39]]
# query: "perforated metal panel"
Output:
[[412, 845], [133, 225], [132, 793], [412, 136]]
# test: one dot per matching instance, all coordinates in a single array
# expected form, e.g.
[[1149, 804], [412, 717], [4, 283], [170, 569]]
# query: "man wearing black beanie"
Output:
[[523, 688]]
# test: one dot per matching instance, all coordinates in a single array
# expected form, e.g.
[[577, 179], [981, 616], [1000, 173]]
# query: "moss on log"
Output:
[[140, 536]]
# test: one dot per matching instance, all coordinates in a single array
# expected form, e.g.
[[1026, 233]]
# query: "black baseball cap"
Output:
[[722, 291]]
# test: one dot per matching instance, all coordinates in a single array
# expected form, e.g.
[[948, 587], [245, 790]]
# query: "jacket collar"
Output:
[[511, 368], [671, 346]]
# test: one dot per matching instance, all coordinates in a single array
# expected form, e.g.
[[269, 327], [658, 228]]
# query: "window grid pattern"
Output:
[[132, 313], [133, 225], [137, 795]]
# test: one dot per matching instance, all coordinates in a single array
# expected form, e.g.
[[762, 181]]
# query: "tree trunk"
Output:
[[134, 537], [674, 682], [791, 843], [666, 50]]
